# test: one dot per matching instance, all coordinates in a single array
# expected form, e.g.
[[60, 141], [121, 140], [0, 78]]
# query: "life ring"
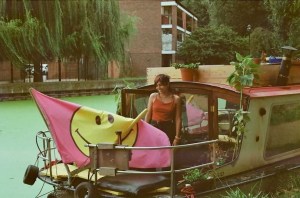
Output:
[[30, 175], [85, 190]]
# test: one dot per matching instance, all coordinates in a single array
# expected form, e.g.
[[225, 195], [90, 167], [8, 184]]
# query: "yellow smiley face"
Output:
[[90, 126]]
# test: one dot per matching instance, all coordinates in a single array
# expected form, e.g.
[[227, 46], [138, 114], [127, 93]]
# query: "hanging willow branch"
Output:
[[37, 30]]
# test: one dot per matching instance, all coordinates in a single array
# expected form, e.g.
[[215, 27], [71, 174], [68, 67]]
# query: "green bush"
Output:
[[212, 45], [193, 175], [264, 40]]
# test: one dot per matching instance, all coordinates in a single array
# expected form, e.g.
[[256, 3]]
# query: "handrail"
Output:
[[45, 154], [172, 170]]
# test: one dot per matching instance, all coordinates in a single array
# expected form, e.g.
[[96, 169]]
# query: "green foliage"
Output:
[[284, 16], [238, 14], [263, 40], [240, 119], [182, 65], [245, 70], [209, 45], [240, 194], [118, 93], [193, 175], [199, 9], [44, 30], [279, 17]]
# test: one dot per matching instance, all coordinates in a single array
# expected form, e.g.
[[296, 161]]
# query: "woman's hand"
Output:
[[176, 141]]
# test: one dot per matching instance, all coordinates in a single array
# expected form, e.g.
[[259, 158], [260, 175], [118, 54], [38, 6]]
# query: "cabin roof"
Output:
[[272, 91], [269, 91]]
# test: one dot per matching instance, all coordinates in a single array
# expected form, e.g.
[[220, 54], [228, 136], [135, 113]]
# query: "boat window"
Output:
[[195, 128], [194, 117], [194, 113], [283, 129], [228, 144], [195, 123], [135, 104]]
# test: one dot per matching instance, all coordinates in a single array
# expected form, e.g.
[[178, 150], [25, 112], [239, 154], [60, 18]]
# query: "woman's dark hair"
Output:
[[162, 78]]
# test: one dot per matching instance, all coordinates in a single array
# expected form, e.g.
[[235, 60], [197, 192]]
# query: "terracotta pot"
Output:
[[257, 60], [188, 74], [295, 62]]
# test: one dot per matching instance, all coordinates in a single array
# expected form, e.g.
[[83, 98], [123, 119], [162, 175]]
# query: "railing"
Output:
[[95, 149], [46, 152]]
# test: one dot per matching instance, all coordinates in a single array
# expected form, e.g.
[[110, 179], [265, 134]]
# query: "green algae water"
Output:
[[19, 123]]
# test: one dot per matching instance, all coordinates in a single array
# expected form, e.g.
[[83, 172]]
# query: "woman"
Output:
[[164, 109]]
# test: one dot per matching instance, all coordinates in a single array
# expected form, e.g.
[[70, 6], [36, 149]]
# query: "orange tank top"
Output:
[[162, 111]]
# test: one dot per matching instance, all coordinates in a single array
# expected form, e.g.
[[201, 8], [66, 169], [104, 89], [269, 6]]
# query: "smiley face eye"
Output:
[[110, 118], [98, 120]]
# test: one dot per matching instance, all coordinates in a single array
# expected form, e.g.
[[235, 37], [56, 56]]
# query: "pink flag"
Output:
[[72, 126], [149, 136]]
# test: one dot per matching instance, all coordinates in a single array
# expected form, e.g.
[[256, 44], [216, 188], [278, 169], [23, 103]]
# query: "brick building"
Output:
[[162, 26]]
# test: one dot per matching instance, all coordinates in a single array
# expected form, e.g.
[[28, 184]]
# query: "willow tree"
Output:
[[34, 31]]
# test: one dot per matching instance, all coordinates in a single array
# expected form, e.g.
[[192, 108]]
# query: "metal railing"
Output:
[[46, 154], [171, 172]]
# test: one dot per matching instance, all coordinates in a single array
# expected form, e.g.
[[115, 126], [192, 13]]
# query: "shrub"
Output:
[[212, 45]]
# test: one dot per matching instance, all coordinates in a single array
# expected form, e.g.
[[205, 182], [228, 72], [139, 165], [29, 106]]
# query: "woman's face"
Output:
[[163, 88]]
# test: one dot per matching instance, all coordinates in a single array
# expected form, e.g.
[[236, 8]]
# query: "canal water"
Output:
[[19, 123]]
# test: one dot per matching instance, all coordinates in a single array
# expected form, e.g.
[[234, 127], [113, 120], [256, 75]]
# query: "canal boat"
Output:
[[210, 143]]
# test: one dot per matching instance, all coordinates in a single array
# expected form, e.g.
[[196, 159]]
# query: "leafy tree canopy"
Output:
[[285, 18], [237, 14], [212, 45], [199, 9]]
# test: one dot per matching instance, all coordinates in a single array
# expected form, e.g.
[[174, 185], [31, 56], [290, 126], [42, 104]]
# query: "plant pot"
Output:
[[188, 74], [295, 62], [257, 60]]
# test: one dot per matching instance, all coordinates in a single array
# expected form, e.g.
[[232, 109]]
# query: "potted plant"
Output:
[[245, 71], [189, 72], [199, 180]]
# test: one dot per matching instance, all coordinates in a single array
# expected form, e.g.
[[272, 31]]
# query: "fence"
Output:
[[58, 71]]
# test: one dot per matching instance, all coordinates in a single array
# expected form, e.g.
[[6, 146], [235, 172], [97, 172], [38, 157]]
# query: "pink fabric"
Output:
[[149, 136], [194, 115], [57, 115]]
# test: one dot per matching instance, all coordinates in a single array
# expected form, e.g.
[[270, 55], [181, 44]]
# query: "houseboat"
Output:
[[269, 145]]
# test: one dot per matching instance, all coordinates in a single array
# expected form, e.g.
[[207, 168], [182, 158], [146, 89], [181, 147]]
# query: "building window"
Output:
[[195, 116], [179, 18], [166, 60], [166, 15], [167, 39], [283, 129], [189, 23], [180, 38]]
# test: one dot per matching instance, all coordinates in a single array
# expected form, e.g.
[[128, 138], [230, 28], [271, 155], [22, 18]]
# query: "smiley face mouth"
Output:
[[77, 131]]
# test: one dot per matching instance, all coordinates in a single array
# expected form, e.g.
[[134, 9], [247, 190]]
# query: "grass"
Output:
[[289, 188]]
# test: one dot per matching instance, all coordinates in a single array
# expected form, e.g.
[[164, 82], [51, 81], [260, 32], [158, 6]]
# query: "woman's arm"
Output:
[[149, 108], [177, 121]]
